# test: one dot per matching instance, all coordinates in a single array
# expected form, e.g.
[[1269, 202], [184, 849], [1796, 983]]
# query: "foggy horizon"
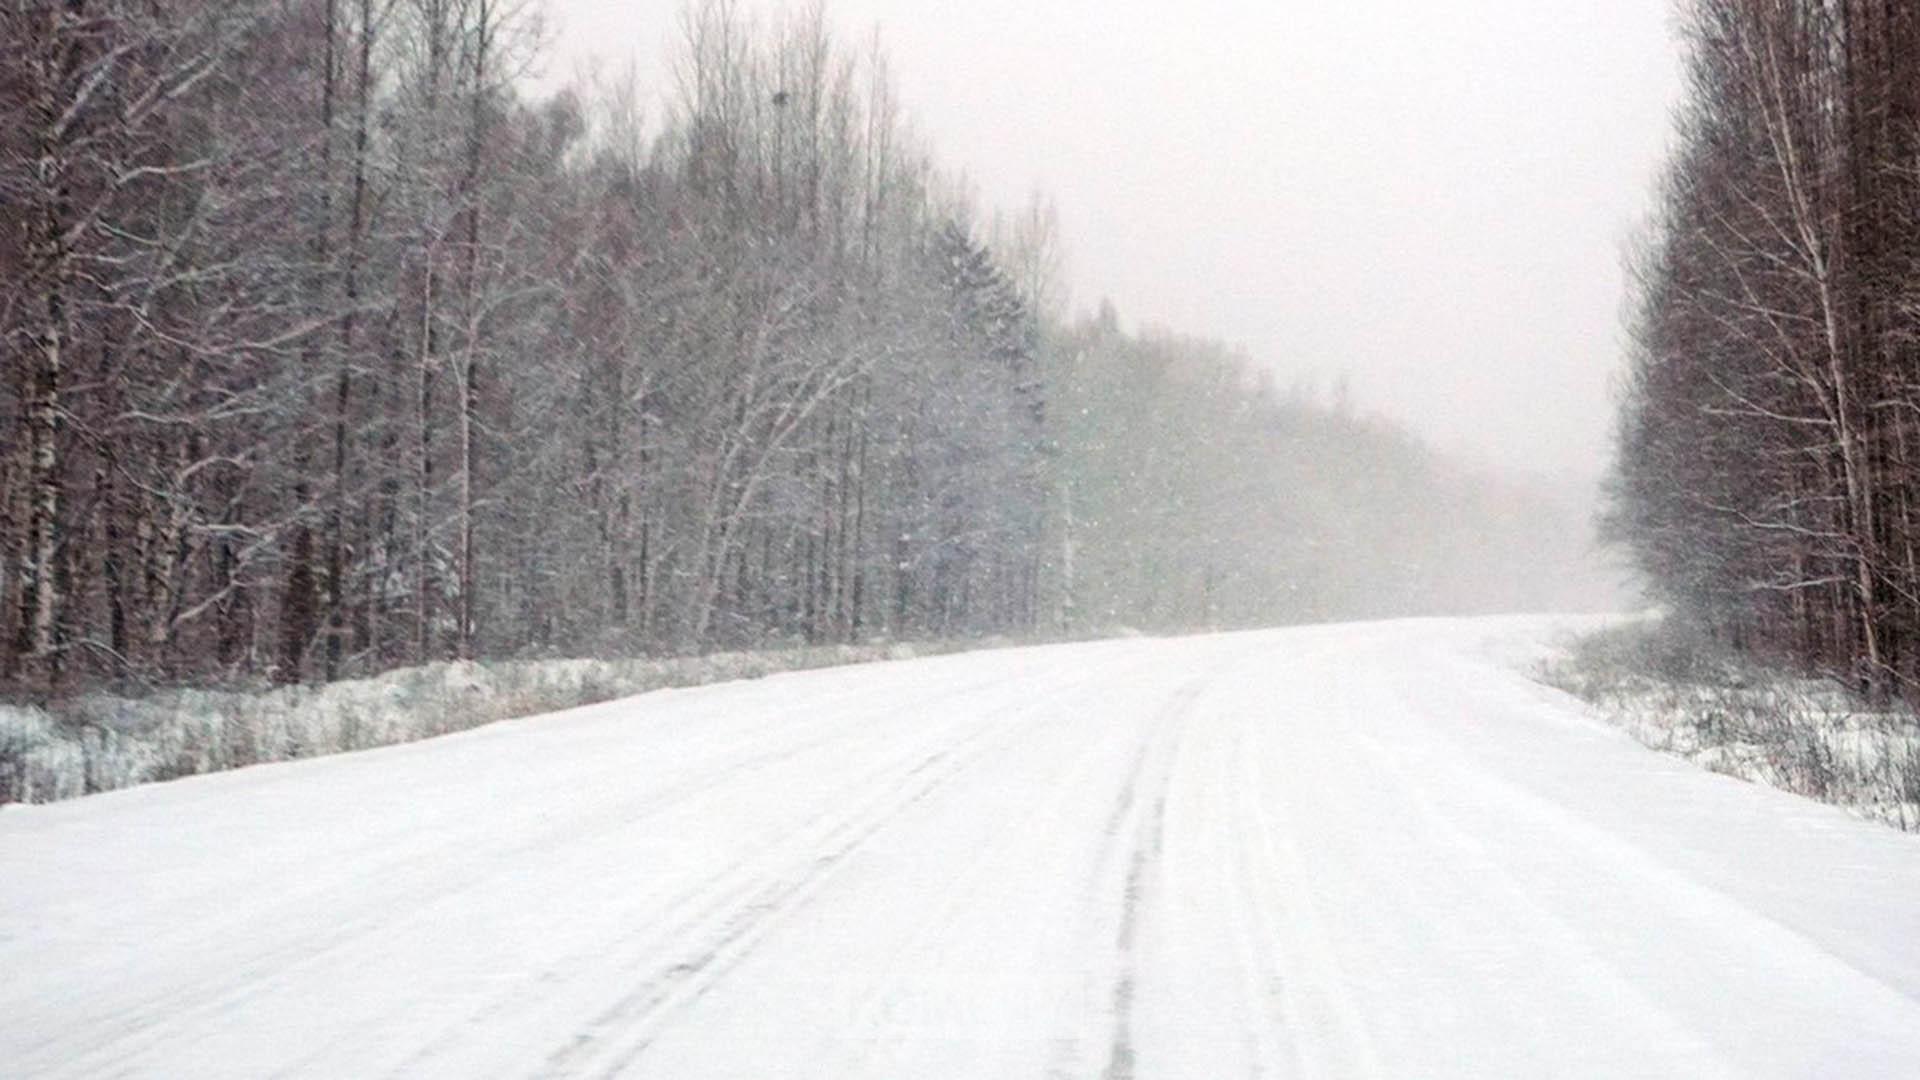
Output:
[[1430, 205]]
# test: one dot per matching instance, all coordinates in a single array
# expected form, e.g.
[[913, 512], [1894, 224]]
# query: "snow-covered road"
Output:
[[1344, 851]]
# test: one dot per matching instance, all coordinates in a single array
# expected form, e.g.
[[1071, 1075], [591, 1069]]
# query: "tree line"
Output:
[[329, 350], [1770, 429]]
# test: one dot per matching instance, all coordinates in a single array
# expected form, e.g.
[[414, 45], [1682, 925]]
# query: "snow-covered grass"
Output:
[[1677, 693], [101, 743]]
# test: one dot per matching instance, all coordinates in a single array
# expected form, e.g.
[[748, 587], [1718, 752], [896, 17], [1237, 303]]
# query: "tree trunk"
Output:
[[51, 270]]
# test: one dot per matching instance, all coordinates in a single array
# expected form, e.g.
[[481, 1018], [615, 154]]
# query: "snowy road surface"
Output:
[[1326, 852]]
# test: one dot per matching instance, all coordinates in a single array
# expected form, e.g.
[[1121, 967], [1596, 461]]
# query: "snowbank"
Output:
[[1808, 736], [102, 743]]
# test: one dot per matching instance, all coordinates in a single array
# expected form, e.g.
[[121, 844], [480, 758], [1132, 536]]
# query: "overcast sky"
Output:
[[1431, 198]]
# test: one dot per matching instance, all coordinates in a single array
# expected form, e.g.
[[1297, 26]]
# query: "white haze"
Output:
[[1429, 200]]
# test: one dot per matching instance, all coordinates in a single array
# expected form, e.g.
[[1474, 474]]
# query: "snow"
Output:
[[101, 742], [1363, 850], [1796, 733]]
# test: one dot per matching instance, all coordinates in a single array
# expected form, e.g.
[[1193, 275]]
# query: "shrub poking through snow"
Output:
[[102, 743], [1674, 691]]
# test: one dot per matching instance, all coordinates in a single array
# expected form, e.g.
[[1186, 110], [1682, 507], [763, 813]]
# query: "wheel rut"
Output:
[[1144, 799]]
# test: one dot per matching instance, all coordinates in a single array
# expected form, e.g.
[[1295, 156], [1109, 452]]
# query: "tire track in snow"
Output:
[[1149, 842], [140, 1027], [1329, 1036], [732, 925], [280, 965], [931, 937], [711, 894], [1273, 1029]]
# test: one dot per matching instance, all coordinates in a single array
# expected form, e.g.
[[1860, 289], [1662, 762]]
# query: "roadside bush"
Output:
[[102, 742], [1674, 690]]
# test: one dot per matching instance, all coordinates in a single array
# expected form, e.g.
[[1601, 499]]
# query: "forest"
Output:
[[330, 349], [1770, 429]]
